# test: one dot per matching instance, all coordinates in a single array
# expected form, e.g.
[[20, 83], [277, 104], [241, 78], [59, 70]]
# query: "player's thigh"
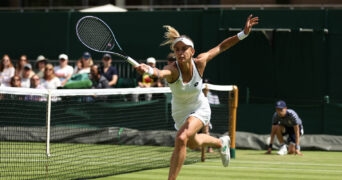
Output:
[[191, 126]]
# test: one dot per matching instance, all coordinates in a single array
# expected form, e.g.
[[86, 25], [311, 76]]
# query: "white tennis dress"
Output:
[[188, 99]]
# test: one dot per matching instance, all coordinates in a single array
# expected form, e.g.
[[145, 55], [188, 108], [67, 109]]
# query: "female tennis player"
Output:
[[190, 108]]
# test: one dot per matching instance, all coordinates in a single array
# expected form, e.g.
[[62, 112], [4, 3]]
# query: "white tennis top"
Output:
[[188, 99]]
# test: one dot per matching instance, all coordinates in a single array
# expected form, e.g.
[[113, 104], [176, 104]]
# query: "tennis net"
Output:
[[88, 133]]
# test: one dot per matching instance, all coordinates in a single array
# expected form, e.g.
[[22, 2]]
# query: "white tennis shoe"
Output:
[[225, 150], [283, 150]]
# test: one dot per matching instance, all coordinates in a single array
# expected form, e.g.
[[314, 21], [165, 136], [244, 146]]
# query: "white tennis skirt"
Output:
[[181, 112]]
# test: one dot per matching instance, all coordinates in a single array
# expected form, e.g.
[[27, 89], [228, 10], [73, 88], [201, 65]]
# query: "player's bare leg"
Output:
[[205, 130], [187, 136]]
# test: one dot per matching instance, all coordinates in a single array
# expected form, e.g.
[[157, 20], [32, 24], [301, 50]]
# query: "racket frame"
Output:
[[130, 60]]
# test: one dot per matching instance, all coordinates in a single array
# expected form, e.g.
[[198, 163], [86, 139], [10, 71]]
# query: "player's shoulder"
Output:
[[201, 58]]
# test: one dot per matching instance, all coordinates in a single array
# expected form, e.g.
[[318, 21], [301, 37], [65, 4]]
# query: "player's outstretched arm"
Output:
[[144, 68], [230, 41], [251, 21]]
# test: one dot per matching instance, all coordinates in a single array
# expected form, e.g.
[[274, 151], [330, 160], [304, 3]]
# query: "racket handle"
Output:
[[132, 62]]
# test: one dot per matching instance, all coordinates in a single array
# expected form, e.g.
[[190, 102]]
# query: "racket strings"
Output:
[[95, 34]]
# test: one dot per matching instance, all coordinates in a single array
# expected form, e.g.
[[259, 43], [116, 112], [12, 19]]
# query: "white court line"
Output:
[[286, 163], [297, 169], [290, 169]]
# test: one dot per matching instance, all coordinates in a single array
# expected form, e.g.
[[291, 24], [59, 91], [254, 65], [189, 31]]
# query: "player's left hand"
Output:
[[251, 21]]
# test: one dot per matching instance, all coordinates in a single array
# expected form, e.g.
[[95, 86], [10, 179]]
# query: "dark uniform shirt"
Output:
[[289, 120]]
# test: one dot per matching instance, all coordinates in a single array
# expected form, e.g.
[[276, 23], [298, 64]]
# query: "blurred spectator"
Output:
[[20, 65], [146, 81], [108, 71], [171, 58], [15, 81], [87, 62], [155, 82], [26, 76], [212, 97], [50, 80], [78, 66], [40, 65], [35, 84], [64, 71], [98, 82], [7, 71]]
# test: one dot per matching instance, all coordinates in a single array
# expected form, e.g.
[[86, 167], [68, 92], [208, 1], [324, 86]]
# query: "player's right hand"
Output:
[[142, 68]]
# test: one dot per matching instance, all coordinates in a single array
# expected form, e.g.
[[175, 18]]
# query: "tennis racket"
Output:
[[96, 35]]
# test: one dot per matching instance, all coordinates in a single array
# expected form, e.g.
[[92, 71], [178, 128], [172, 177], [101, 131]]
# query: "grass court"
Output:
[[252, 164]]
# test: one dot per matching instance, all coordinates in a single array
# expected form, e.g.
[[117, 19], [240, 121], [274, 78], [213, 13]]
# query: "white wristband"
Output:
[[150, 71], [241, 35]]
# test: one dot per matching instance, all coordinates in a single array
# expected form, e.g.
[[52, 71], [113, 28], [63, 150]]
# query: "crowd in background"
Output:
[[43, 74]]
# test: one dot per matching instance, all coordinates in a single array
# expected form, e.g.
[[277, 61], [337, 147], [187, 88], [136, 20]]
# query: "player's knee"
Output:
[[181, 139]]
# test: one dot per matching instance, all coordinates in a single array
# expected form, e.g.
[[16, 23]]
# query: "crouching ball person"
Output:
[[286, 122], [190, 108]]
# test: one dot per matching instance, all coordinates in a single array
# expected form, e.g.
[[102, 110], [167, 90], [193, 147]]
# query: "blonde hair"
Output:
[[170, 35]]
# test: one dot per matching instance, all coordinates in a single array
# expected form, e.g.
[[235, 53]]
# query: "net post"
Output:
[[233, 104], [48, 128], [48, 120]]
